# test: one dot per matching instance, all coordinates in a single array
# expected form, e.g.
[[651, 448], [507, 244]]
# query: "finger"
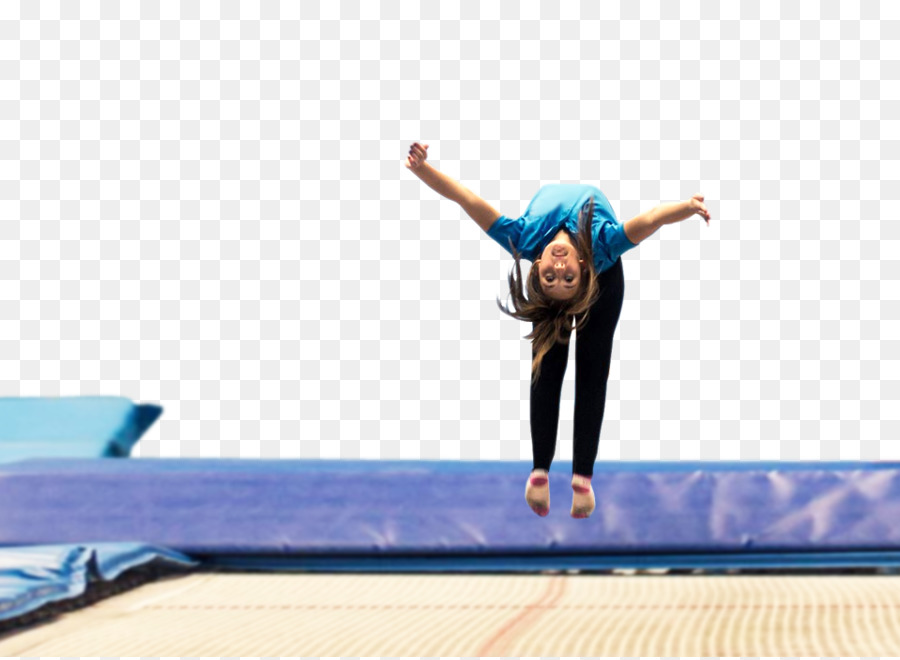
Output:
[[420, 151]]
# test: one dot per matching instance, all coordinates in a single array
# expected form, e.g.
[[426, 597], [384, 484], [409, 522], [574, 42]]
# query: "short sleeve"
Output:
[[617, 241], [505, 229]]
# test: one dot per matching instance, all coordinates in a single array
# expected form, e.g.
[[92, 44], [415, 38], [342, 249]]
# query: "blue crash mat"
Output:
[[220, 507], [80, 427], [31, 577]]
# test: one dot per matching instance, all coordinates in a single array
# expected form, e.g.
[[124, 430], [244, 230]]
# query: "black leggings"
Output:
[[593, 350]]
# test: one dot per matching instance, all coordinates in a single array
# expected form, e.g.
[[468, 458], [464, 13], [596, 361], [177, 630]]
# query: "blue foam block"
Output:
[[82, 427]]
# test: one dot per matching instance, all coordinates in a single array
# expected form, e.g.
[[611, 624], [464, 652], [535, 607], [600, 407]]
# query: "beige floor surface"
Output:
[[283, 614]]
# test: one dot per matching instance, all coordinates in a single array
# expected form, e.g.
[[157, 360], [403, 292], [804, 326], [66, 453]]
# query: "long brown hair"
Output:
[[553, 319]]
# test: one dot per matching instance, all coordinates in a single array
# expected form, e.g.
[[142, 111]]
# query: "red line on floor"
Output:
[[500, 639]]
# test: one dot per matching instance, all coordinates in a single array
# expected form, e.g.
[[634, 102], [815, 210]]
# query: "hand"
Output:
[[697, 207], [417, 155]]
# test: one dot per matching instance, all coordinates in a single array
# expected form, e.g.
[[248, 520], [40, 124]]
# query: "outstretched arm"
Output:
[[479, 210], [642, 226]]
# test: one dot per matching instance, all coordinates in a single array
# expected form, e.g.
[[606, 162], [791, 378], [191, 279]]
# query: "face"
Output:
[[560, 269]]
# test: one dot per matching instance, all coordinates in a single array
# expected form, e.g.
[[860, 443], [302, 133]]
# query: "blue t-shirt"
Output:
[[555, 206]]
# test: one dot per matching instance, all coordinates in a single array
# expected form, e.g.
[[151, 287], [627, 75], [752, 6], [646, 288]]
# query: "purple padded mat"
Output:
[[290, 507]]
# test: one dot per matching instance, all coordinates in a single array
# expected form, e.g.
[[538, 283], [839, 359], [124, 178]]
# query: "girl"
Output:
[[570, 234]]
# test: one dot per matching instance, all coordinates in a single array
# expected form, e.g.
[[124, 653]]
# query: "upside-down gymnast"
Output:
[[572, 237]]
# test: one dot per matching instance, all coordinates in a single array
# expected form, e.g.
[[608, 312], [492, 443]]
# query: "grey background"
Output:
[[204, 205]]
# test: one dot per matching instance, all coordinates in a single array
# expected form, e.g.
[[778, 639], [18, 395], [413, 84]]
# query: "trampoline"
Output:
[[234, 615], [166, 557]]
